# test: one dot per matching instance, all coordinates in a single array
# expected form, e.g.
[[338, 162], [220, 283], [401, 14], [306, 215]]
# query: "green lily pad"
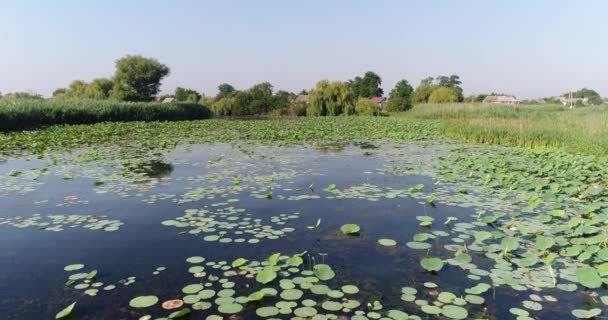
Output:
[[143, 301], [65, 312], [432, 264], [324, 272], [387, 242], [350, 228]]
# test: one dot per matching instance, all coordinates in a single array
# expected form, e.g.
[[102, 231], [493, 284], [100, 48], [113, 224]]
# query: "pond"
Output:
[[363, 231]]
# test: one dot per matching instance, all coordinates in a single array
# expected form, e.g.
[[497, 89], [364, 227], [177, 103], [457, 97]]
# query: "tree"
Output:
[[427, 81], [23, 95], [366, 107], [59, 92], [444, 95], [422, 93], [330, 99], [452, 82], [225, 90], [281, 100], [399, 98], [582, 93], [138, 78], [99, 89], [223, 106], [187, 95], [261, 98], [368, 86]]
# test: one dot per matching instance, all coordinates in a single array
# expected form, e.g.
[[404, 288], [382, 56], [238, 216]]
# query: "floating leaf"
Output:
[[238, 262], [432, 264], [350, 228], [586, 314], [589, 277], [266, 275], [143, 301], [323, 272], [65, 312], [387, 242]]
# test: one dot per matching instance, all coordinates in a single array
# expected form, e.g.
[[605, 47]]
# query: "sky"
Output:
[[529, 48]]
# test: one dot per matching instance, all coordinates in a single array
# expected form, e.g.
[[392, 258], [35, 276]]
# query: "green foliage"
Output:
[[581, 130], [583, 93], [225, 90], [444, 95], [223, 106], [187, 95], [330, 99], [22, 96], [137, 78], [152, 134], [422, 93], [27, 113], [400, 97], [59, 92], [368, 86], [98, 89], [366, 107]]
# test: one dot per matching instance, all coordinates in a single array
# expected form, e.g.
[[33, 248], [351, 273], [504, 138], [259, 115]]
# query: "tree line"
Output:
[[138, 79]]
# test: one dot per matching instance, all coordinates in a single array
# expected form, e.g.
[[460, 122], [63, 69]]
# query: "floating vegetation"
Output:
[[58, 222], [225, 224]]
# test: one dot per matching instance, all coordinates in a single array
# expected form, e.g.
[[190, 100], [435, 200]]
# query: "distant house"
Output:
[[167, 100], [380, 101], [301, 98], [501, 100], [575, 101]]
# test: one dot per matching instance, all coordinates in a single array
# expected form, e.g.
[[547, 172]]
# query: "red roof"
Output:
[[378, 100]]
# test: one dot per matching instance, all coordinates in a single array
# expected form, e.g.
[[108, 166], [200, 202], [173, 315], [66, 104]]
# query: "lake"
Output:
[[120, 231]]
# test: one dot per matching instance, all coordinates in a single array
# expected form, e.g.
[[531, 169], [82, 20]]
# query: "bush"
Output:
[[222, 107], [444, 95], [27, 113], [423, 93], [365, 107]]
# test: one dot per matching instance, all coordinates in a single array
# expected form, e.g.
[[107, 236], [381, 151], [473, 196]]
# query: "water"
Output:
[[33, 282]]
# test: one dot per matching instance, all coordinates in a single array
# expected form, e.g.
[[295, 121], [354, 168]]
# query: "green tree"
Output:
[[59, 92], [187, 95], [99, 89], [241, 103], [453, 82], [422, 93], [330, 99], [583, 93], [225, 90], [444, 95], [281, 100], [23, 95], [223, 106], [366, 107], [368, 86], [138, 78], [261, 98], [399, 98]]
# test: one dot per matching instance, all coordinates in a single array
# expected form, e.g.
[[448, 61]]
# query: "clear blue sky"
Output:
[[525, 47]]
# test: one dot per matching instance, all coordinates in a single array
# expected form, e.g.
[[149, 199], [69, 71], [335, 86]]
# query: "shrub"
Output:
[[28, 113], [366, 107], [444, 95], [423, 93], [222, 107]]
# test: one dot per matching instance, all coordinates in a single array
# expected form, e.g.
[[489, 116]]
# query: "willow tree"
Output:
[[330, 99]]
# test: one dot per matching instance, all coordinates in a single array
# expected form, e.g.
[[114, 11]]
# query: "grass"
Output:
[[580, 130], [19, 114]]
